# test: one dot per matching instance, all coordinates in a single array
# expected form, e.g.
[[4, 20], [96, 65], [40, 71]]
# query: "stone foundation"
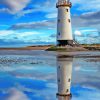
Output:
[[66, 42]]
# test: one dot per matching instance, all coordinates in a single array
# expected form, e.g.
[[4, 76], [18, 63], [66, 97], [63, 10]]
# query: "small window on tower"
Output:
[[68, 20], [69, 80], [67, 10], [58, 20], [67, 90], [59, 33], [58, 80]]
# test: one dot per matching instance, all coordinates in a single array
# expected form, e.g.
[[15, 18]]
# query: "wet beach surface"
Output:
[[32, 75]]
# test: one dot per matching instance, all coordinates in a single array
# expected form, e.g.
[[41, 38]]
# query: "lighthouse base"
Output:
[[64, 96], [65, 42]]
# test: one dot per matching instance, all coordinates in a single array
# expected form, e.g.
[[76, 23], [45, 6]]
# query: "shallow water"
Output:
[[34, 76]]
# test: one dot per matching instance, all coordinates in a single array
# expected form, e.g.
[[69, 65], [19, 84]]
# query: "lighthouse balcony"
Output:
[[64, 3]]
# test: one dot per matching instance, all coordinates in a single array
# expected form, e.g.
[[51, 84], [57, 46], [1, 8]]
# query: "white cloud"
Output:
[[15, 94], [25, 34], [93, 5], [9, 33], [48, 6], [87, 20], [89, 30], [77, 33], [44, 24], [6, 32], [14, 6], [51, 15]]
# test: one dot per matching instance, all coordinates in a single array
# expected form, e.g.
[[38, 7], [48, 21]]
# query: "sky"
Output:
[[32, 22]]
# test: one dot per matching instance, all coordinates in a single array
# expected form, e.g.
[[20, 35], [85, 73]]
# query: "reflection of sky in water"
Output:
[[34, 78]]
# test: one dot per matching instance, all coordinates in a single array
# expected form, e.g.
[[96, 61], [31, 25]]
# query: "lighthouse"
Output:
[[64, 29], [64, 72]]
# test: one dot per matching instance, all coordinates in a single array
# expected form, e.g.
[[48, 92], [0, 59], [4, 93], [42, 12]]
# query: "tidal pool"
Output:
[[34, 76]]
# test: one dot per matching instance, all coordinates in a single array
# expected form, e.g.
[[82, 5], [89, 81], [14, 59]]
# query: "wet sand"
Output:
[[54, 48], [78, 54]]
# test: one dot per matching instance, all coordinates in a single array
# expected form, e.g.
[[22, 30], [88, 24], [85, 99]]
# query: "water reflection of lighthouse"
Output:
[[64, 71]]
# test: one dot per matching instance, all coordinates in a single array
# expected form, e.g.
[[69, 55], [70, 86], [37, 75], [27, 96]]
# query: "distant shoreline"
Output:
[[95, 47], [28, 48]]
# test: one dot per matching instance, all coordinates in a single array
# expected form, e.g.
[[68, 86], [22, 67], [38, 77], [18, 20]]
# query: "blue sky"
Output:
[[27, 22]]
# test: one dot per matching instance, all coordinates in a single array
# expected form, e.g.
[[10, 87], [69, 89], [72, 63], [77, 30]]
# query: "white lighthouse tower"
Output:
[[64, 29], [64, 72]]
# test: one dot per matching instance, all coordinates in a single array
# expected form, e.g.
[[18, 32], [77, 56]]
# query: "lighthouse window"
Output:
[[59, 33], [67, 90], [59, 67], [67, 10], [68, 20], [69, 80], [58, 80], [58, 20]]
